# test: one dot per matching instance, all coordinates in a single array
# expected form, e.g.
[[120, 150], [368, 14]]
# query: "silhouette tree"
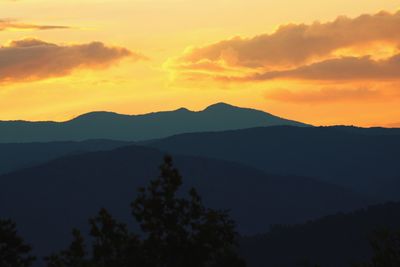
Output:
[[74, 256], [386, 247], [113, 244], [176, 232], [13, 250], [180, 231]]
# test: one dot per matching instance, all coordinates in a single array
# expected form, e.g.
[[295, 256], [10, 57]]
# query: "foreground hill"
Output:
[[366, 160], [15, 156], [48, 200], [332, 241], [107, 125]]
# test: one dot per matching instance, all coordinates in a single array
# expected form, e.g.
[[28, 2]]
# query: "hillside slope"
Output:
[[15, 156], [336, 240], [366, 160], [48, 200]]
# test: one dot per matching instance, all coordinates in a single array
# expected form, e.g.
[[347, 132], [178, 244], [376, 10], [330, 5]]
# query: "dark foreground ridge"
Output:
[[339, 240], [48, 200]]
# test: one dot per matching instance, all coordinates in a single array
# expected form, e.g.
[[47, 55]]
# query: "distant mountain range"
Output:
[[267, 170], [365, 160], [49, 199], [107, 125]]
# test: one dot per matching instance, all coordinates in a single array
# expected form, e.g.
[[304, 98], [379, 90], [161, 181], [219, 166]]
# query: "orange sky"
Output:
[[330, 62]]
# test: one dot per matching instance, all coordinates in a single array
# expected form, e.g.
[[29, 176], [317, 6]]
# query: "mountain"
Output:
[[107, 125], [48, 200], [15, 156], [336, 240], [366, 160], [368, 131]]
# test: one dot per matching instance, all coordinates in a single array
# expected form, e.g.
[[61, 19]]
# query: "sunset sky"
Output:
[[320, 62]]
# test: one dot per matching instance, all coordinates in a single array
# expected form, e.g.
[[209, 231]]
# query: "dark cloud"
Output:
[[7, 24], [33, 59]]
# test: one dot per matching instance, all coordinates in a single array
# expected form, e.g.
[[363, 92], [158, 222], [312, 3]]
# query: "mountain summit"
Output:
[[221, 106], [109, 125]]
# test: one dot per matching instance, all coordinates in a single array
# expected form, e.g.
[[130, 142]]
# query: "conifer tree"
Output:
[[175, 232], [14, 252]]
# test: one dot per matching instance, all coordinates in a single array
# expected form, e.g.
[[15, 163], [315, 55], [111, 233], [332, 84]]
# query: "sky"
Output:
[[320, 62]]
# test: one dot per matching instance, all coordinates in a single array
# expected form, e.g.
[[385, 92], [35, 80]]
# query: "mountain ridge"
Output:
[[359, 158], [215, 106], [16, 156], [75, 187], [335, 240], [114, 126]]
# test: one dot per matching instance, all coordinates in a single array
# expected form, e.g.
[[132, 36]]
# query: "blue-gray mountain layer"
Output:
[[107, 125]]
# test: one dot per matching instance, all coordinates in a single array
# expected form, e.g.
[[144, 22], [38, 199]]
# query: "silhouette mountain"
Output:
[[368, 131], [365, 160], [108, 125], [48, 200], [15, 156], [336, 240]]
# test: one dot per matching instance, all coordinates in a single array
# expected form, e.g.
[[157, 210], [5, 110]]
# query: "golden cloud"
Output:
[[33, 59], [346, 68], [317, 51], [296, 44], [9, 24]]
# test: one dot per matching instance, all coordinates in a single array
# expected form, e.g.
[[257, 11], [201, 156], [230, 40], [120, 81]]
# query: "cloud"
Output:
[[322, 96], [34, 59], [205, 66], [295, 44], [346, 68], [9, 24], [297, 50]]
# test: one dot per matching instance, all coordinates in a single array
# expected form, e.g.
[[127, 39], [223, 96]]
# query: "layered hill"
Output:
[[107, 125], [366, 160], [336, 240], [15, 156], [48, 200]]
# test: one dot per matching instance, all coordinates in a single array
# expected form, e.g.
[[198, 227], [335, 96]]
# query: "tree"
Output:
[[386, 247], [113, 244], [176, 232], [14, 252], [74, 256], [180, 231]]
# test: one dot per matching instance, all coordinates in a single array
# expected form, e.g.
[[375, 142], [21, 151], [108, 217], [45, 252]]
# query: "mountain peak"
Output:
[[182, 110], [109, 125], [97, 115], [220, 106]]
